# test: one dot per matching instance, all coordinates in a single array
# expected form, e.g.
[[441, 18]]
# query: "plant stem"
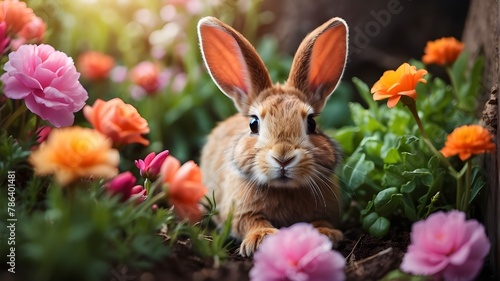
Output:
[[150, 202], [468, 174], [147, 186], [413, 109], [459, 193], [459, 177]]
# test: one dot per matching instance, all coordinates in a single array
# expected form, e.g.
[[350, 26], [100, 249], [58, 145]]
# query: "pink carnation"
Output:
[[298, 252], [447, 245], [47, 80]]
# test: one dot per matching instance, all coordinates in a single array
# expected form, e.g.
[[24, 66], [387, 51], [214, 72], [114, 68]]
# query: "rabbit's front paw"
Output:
[[253, 239], [335, 235]]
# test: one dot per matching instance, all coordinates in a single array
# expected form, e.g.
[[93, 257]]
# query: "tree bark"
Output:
[[481, 37]]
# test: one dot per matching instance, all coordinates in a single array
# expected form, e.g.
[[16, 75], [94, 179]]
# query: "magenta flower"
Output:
[[47, 80], [151, 165], [4, 38], [139, 192], [42, 133], [298, 252], [446, 244], [122, 185]]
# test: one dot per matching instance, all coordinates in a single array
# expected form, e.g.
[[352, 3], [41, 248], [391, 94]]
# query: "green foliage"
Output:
[[88, 232], [390, 170]]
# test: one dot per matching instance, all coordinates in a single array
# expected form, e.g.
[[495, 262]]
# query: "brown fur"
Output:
[[283, 174]]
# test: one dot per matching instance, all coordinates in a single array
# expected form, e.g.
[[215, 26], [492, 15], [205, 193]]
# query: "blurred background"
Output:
[[186, 105]]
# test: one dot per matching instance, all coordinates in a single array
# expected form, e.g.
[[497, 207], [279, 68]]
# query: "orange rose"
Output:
[[16, 14], [395, 84], [442, 51], [119, 121], [73, 153], [468, 140], [94, 65], [185, 188]]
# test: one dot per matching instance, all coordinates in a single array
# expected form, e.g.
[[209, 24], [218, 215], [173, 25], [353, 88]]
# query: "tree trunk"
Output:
[[481, 37]]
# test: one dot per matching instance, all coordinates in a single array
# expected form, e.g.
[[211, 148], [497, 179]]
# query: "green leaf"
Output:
[[365, 119], [364, 91], [347, 138], [391, 156], [369, 220], [477, 183], [433, 163], [387, 201], [393, 176], [408, 187], [409, 207], [424, 175], [475, 77], [356, 170], [380, 227]]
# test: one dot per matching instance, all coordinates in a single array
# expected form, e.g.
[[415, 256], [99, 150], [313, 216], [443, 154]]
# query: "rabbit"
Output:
[[269, 165]]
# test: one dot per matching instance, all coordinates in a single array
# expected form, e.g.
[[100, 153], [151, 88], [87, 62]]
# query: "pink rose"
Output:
[[298, 252], [47, 80], [446, 244]]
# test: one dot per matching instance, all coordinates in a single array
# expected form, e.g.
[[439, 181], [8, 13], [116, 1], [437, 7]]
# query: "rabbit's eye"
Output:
[[254, 124], [311, 124]]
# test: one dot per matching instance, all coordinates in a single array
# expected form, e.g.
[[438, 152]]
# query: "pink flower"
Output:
[[43, 132], [298, 252], [4, 38], [151, 165], [47, 80], [446, 244], [123, 185], [148, 79], [139, 192]]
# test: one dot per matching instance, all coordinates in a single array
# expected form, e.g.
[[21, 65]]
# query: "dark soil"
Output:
[[367, 259]]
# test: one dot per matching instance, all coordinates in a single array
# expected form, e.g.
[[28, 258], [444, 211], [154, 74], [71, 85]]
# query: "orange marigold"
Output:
[[468, 140], [185, 188], [73, 153], [95, 65], [395, 84], [442, 51], [117, 120]]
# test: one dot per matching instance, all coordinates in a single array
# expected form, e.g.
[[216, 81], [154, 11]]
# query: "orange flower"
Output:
[[468, 140], [34, 30], [442, 51], [185, 188], [16, 14], [395, 84], [119, 121], [73, 153], [94, 65]]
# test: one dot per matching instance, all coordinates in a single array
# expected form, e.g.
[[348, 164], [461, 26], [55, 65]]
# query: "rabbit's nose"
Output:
[[284, 161]]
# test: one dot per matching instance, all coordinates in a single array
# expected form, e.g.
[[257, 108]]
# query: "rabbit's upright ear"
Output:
[[319, 62], [232, 61]]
